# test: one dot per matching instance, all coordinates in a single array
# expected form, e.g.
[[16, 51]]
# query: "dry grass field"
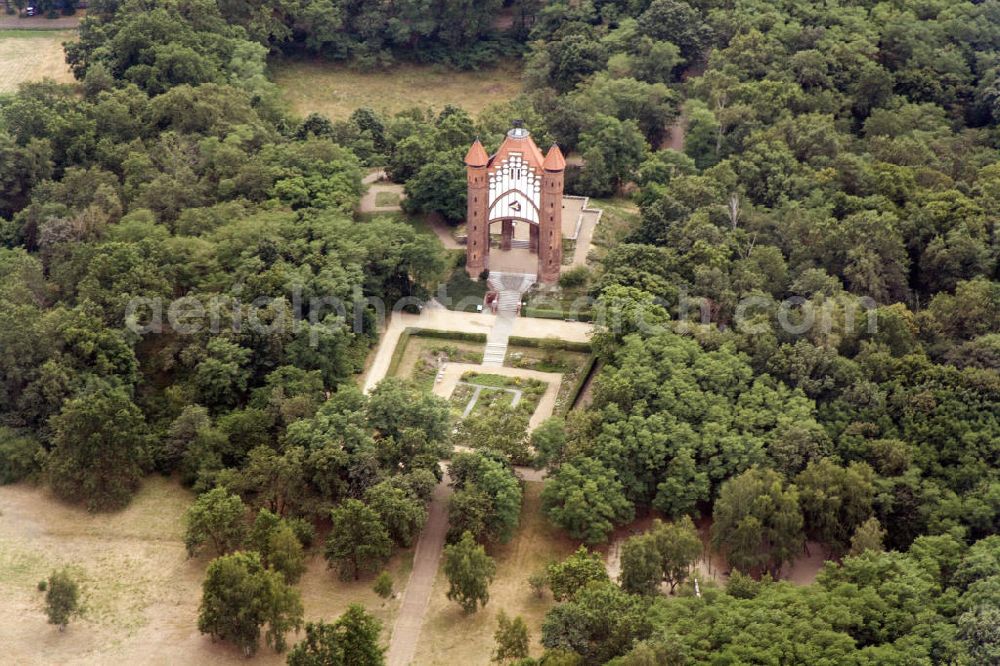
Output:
[[451, 637], [33, 55], [336, 90], [140, 591]]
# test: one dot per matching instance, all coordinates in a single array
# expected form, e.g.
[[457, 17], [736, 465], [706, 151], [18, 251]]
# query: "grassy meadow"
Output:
[[336, 90], [33, 55]]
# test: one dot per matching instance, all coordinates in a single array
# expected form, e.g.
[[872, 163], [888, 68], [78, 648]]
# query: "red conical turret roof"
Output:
[[554, 160], [476, 157]]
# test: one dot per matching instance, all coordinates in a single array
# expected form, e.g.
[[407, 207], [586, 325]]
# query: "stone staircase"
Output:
[[511, 282], [510, 287]]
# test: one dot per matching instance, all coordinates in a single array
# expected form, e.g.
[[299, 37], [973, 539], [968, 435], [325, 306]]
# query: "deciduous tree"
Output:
[[99, 448], [217, 518], [240, 597], [470, 571], [353, 640], [511, 639], [358, 540]]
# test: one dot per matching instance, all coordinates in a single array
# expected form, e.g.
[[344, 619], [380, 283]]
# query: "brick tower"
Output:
[[477, 249], [515, 185], [550, 225]]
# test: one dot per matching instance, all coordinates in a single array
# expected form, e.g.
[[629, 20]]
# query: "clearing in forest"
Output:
[[336, 90], [33, 55], [451, 637]]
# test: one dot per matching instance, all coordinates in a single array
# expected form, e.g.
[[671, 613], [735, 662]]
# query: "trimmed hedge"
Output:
[[542, 313], [517, 341], [397, 353], [578, 386], [447, 335]]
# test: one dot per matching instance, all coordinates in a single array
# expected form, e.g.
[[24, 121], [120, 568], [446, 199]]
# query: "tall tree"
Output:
[[353, 640], [586, 499], [511, 639], [240, 596], [679, 546], [358, 540], [469, 571], [757, 522], [575, 572], [835, 501], [99, 448], [217, 518], [642, 570]]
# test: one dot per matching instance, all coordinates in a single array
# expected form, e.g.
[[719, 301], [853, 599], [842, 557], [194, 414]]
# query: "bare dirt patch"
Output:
[[140, 591]]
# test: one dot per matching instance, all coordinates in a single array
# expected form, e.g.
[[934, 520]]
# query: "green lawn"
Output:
[[419, 359], [386, 198], [620, 217]]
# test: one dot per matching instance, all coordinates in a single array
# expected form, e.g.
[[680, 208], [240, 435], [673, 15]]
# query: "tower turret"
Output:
[[476, 226]]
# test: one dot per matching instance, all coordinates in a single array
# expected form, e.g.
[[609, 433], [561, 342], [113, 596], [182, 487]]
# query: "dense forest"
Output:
[[841, 156]]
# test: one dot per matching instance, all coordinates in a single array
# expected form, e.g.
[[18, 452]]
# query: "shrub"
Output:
[[62, 600], [20, 456], [574, 277], [383, 585]]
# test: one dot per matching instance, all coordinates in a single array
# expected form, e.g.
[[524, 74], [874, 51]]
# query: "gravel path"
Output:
[[376, 184]]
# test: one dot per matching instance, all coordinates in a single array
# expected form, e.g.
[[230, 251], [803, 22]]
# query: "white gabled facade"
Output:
[[515, 191]]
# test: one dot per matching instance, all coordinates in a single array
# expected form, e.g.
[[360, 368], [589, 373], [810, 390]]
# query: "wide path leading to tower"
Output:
[[416, 596]]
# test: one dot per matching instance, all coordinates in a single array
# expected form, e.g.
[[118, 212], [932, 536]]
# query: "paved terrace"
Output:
[[439, 319]]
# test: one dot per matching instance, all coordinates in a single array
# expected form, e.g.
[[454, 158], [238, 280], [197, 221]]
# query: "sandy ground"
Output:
[[140, 591], [712, 567], [451, 637], [337, 89]]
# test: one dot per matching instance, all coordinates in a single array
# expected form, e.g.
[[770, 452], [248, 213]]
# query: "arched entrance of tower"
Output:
[[514, 245]]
